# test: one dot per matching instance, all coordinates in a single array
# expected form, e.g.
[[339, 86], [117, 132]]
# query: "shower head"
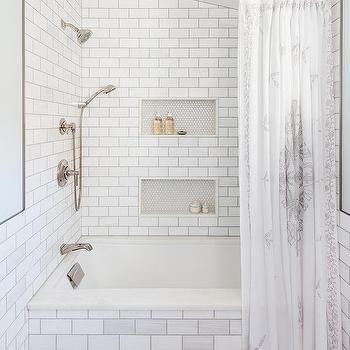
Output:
[[108, 89], [83, 35], [105, 90]]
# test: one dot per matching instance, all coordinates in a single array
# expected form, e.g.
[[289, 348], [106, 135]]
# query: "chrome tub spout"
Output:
[[67, 248]]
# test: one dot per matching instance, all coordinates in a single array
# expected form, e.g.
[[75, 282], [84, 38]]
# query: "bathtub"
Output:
[[143, 294], [148, 273]]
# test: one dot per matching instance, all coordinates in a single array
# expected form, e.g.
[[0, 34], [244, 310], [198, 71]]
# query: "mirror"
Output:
[[11, 111]]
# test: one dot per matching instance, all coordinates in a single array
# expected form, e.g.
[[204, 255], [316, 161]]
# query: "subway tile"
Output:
[[104, 314], [135, 314], [72, 314], [34, 326], [42, 342], [56, 326], [198, 314], [198, 343], [150, 326], [119, 326], [87, 326], [103, 342], [76, 342], [164, 314], [182, 326], [167, 342], [227, 342], [235, 327], [227, 314], [214, 327], [42, 314], [135, 342]]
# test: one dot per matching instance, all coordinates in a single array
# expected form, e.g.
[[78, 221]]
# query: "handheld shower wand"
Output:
[[78, 184], [105, 90]]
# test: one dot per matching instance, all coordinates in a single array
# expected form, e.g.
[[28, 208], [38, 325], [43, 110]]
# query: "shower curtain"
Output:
[[290, 286]]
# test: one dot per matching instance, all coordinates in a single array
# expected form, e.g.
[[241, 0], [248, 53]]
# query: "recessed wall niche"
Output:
[[198, 117]]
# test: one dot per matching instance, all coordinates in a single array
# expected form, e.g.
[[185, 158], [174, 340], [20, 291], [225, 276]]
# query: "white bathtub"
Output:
[[148, 273]]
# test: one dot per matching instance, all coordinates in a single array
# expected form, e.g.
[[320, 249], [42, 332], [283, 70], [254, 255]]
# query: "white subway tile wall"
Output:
[[157, 49], [29, 243], [343, 219], [135, 330]]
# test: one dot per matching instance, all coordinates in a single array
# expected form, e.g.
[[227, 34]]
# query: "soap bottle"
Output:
[[169, 125], [157, 125]]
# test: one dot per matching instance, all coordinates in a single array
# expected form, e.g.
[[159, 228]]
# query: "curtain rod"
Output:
[[213, 3]]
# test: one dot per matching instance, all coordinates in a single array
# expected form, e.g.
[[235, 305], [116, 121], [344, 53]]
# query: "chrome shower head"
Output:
[[105, 90], [83, 35]]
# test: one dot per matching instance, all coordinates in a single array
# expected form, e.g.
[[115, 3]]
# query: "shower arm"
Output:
[[65, 25]]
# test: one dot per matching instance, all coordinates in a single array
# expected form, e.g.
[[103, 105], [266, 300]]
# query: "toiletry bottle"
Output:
[[157, 125], [169, 125], [205, 208], [195, 207]]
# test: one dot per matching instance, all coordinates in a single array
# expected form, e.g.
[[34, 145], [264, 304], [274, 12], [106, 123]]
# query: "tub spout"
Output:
[[67, 248]]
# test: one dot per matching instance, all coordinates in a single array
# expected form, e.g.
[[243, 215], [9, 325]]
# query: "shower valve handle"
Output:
[[64, 172], [64, 127], [74, 173]]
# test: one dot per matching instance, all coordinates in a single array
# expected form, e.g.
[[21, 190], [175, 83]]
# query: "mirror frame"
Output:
[[22, 117]]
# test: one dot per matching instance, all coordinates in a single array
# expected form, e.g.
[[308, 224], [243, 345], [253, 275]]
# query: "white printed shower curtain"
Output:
[[290, 287]]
